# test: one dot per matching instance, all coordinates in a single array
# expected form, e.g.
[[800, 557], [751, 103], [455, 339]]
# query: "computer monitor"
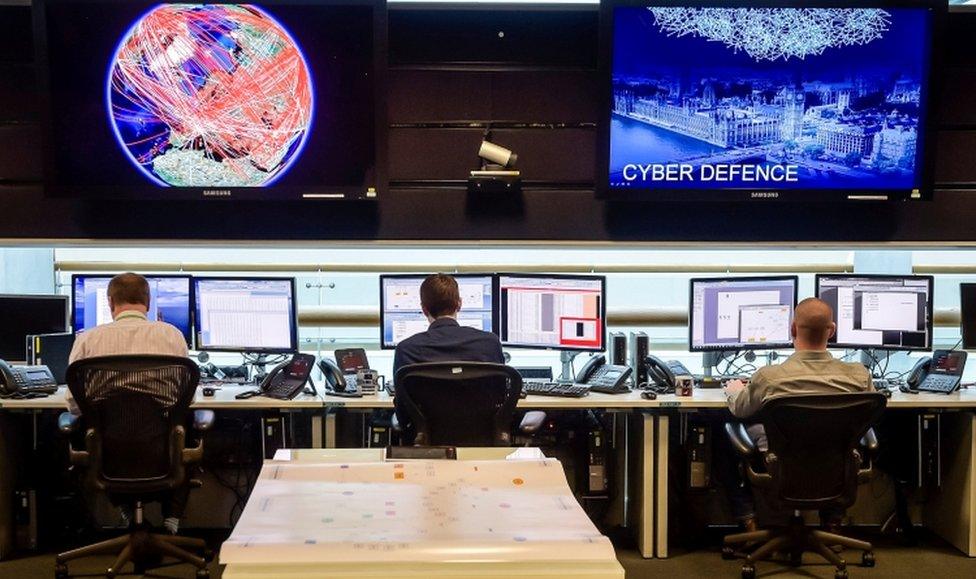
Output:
[[741, 313], [169, 301], [402, 317], [552, 312], [886, 312], [24, 315], [967, 315], [245, 314]]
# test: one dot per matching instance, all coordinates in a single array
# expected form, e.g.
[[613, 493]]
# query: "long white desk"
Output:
[[952, 514], [349, 513]]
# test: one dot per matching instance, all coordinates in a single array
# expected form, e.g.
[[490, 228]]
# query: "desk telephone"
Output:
[[342, 377], [603, 377], [286, 381], [26, 381], [661, 375], [941, 373]]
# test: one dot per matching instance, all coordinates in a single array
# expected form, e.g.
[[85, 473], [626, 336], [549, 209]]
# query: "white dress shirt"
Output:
[[130, 333]]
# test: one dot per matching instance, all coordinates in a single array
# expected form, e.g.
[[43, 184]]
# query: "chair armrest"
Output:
[[742, 443], [869, 442], [532, 422], [68, 422], [203, 420]]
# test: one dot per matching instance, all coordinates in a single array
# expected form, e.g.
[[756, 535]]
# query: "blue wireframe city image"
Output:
[[768, 98]]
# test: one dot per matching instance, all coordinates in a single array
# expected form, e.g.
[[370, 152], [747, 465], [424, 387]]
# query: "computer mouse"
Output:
[[649, 395], [209, 391]]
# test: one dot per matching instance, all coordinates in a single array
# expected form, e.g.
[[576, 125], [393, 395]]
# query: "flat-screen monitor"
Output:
[[274, 100], [885, 312], [401, 315], [245, 314], [25, 315], [786, 99], [741, 313], [169, 301], [552, 312], [967, 315]]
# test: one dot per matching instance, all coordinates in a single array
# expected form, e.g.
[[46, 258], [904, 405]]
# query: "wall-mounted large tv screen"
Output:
[[274, 100], [745, 99]]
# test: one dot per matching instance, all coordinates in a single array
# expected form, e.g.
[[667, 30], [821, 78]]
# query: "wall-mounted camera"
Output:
[[497, 173]]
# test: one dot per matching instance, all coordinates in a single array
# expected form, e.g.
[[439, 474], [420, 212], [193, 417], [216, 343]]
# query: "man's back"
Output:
[[805, 372], [130, 333], [447, 341]]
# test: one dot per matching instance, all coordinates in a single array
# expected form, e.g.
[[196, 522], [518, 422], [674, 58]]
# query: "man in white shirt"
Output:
[[131, 332]]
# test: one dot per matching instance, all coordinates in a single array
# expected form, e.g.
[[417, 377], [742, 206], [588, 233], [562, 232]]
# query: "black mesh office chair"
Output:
[[134, 410], [818, 454], [459, 403]]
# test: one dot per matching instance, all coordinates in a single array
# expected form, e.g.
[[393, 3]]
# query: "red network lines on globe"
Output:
[[205, 95]]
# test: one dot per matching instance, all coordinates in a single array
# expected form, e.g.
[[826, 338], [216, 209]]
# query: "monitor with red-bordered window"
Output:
[[552, 312]]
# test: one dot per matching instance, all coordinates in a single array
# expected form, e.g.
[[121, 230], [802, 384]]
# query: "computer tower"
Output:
[[639, 348], [25, 519], [51, 350], [274, 435], [618, 349], [929, 467], [699, 448], [596, 451]]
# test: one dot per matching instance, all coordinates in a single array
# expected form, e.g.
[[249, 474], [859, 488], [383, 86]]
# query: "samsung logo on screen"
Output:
[[217, 193], [764, 195]]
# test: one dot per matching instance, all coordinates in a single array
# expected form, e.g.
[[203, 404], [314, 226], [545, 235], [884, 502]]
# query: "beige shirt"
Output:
[[805, 372], [130, 333]]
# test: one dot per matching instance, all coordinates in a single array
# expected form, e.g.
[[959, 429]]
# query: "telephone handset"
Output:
[[287, 380], [603, 377], [26, 381]]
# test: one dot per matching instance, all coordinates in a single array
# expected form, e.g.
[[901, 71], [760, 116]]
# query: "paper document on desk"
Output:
[[416, 511]]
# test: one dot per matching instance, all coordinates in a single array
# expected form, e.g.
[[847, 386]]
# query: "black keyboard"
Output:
[[555, 389]]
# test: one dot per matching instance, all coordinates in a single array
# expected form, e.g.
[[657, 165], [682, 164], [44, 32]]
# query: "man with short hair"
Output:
[[810, 370], [445, 340], [131, 332]]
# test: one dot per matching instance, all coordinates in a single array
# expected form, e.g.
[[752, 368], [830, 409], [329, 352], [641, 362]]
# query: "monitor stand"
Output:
[[710, 360], [874, 357], [566, 357]]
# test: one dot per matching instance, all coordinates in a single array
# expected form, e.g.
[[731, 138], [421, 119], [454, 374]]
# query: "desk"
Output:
[[950, 513], [313, 515]]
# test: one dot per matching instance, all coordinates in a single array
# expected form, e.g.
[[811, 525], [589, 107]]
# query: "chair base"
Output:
[[795, 539], [139, 545]]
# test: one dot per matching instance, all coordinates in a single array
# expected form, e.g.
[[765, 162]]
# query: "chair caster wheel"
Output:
[[796, 559], [110, 574], [208, 555], [867, 559], [203, 574], [728, 553], [60, 571], [748, 572], [840, 574]]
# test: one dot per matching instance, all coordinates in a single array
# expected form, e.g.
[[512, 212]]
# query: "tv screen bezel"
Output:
[[927, 122], [377, 178]]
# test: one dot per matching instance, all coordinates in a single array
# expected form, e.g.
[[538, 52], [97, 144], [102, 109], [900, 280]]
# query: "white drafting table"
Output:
[[347, 513]]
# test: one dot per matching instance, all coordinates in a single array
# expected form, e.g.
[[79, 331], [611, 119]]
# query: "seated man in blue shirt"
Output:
[[445, 339]]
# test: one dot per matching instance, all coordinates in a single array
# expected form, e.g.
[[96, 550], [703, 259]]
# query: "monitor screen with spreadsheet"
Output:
[[169, 301], [552, 312], [402, 317], [741, 313], [886, 312], [246, 314]]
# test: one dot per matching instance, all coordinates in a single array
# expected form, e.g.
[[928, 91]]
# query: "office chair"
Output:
[[134, 409], [459, 403], [818, 454]]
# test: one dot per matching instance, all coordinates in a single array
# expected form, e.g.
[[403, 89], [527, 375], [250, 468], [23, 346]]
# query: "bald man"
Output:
[[810, 370]]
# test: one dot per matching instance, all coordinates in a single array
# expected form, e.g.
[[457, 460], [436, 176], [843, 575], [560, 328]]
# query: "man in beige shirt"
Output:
[[131, 332], [810, 370]]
